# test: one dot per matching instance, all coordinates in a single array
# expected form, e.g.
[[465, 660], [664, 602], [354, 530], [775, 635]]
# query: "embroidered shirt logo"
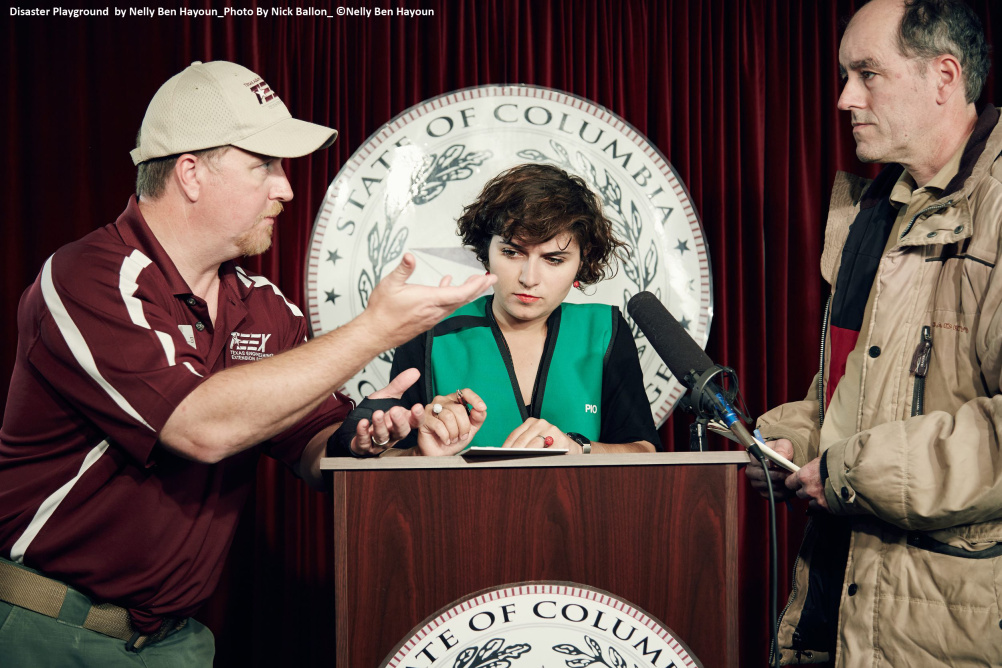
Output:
[[248, 347], [957, 327]]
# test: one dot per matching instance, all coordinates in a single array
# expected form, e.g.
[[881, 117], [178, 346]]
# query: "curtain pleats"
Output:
[[740, 95]]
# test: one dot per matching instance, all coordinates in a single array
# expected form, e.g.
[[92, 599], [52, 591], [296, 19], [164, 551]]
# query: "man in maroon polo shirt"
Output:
[[152, 371]]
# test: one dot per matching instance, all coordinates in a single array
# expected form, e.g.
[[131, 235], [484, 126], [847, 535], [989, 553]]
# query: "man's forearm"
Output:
[[239, 407]]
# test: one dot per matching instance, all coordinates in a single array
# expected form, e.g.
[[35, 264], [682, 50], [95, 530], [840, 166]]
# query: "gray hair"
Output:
[[931, 28]]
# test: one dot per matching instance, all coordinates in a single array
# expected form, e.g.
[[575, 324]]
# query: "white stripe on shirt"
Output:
[[132, 266], [77, 345], [261, 281], [50, 504]]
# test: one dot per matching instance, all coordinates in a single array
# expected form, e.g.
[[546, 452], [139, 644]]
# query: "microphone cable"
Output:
[[773, 561], [693, 367], [757, 453]]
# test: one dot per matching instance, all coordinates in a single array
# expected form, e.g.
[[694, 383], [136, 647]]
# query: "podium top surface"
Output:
[[461, 462]]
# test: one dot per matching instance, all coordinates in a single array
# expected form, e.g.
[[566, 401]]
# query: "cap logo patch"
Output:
[[262, 90]]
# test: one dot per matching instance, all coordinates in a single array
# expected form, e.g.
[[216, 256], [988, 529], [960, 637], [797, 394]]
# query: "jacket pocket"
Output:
[[940, 602], [924, 541]]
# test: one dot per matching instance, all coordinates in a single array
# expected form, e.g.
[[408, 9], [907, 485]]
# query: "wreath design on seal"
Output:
[[429, 180], [493, 655], [627, 227], [594, 657]]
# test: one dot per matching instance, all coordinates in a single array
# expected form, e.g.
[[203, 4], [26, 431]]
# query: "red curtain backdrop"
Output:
[[740, 96]]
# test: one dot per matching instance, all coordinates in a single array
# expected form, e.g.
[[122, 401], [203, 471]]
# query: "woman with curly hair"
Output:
[[537, 373]]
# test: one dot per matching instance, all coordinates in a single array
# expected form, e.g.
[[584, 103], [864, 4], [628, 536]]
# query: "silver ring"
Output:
[[436, 409], [383, 444]]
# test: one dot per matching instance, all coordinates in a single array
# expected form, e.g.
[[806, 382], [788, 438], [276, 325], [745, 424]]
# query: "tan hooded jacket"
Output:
[[916, 499]]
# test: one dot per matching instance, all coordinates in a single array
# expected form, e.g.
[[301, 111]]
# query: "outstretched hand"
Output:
[[398, 311]]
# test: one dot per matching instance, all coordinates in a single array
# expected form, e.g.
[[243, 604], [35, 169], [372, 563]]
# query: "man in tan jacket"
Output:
[[899, 441]]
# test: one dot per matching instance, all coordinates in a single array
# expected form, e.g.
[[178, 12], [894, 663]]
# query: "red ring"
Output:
[[548, 441]]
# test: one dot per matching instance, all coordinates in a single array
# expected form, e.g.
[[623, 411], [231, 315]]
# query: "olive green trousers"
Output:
[[32, 640]]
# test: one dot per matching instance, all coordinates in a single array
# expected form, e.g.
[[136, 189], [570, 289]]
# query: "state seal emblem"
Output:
[[549, 624], [405, 187]]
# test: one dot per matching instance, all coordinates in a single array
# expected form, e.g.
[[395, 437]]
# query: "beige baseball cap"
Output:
[[219, 104]]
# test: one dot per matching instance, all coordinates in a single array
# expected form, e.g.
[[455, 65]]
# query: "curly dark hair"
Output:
[[534, 203]]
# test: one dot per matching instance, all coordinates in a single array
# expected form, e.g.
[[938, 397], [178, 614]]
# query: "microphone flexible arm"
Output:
[[713, 396]]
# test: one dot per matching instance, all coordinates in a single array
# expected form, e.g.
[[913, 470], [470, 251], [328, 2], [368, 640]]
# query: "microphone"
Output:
[[687, 361], [670, 341], [694, 368]]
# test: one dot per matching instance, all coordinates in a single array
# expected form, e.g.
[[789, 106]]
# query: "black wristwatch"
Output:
[[580, 440]]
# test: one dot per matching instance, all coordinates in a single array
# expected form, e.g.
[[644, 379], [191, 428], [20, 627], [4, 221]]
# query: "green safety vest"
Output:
[[467, 349]]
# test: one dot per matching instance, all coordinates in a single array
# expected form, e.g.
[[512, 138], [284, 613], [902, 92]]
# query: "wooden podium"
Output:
[[414, 534]]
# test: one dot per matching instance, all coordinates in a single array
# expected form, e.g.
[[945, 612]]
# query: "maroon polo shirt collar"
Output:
[[135, 232]]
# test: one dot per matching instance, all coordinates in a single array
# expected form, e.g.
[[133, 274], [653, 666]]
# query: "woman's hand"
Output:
[[450, 422], [534, 433]]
